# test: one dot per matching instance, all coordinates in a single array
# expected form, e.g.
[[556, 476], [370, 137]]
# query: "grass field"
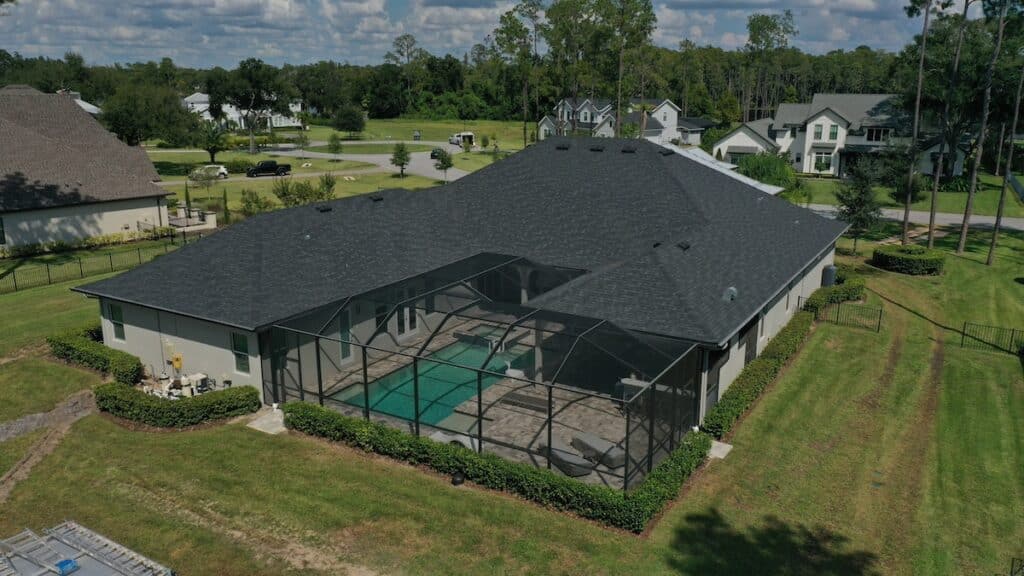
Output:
[[32, 315], [360, 184], [986, 200], [508, 134], [13, 450], [6, 264], [357, 148], [174, 166], [36, 385], [875, 453]]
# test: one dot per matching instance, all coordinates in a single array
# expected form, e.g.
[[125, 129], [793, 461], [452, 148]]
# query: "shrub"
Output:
[[77, 347], [849, 286], [629, 511], [958, 184], [238, 166], [133, 404], [756, 376], [911, 259]]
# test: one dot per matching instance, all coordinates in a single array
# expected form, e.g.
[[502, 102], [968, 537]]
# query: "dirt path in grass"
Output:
[[263, 540], [26, 352], [59, 420]]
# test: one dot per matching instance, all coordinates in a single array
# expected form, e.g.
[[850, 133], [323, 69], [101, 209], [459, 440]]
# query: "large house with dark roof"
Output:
[[825, 135], [596, 117], [64, 178]]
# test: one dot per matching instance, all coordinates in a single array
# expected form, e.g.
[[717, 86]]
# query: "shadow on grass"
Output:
[[707, 544]]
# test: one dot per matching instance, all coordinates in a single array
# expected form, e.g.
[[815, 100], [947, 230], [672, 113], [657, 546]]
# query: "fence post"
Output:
[[878, 327], [139, 252], [48, 279], [963, 335], [416, 394], [14, 276], [110, 258], [81, 270]]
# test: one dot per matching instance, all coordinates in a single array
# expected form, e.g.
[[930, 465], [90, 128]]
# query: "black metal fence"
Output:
[[850, 314], [998, 338], [14, 277]]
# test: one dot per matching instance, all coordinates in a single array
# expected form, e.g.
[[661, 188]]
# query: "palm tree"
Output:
[[986, 104], [954, 74], [1006, 173], [915, 8]]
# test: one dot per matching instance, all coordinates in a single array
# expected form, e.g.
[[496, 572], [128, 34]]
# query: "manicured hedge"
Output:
[[757, 375], [133, 404], [911, 259], [629, 511], [78, 347]]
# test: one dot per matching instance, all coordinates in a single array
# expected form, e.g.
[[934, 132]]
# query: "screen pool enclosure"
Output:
[[458, 354]]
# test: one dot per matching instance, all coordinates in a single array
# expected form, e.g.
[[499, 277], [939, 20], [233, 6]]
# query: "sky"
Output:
[[205, 33]]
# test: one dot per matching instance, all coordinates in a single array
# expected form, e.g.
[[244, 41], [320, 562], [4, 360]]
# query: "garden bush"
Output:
[[79, 347], [911, 259], [849, 286], [133, 404], [238, 166], [756, 376], [629, 511]]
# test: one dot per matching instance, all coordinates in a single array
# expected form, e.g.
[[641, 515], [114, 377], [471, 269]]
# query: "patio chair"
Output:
[[598, 449], [460, 439], [567, 460]]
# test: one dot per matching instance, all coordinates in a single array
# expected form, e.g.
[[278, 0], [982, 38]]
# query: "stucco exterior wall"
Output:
[[926, 165], [73, 223], [156, 336], [826, 120], [743, 137]]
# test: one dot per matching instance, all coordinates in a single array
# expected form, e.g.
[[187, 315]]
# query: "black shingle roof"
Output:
[[601, 211]]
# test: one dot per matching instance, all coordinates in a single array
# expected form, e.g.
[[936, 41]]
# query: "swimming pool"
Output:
[[442, 387]]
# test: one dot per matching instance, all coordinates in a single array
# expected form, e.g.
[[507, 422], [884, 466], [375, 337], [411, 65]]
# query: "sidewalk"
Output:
[[941, 218]]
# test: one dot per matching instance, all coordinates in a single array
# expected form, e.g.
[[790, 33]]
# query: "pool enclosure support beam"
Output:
[[508, 331], [550, 414], [416, 393], [448, 316], [319, 373], [554, 377], [366, 387], [298, 356], [479, 413], [629, 456], [333, 316], [650, 428]]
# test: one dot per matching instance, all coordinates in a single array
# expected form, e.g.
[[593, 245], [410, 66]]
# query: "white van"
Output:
[[461, 138]]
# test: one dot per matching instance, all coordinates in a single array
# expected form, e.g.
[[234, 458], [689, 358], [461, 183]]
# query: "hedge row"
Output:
[[79, 347], [911, 259], [849, 286], [629, 511], [133, 404], [757, 375]]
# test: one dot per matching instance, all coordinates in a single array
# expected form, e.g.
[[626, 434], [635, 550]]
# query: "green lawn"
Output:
[[360, 184], [31, 315], [13, 450], [31, 385], [474, 161], [173, 166], [7, 264], [986, 200], [509, 134], [874, 453], [357, 148]]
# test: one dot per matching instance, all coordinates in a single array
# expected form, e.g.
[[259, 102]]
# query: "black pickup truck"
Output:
[[268, 168]]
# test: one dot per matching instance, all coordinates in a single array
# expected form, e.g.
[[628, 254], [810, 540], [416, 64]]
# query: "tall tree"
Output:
[[400, 157], [139, 112], [1002, 7], [1007, 172], [914, 9], [858, 205], [630, 23], [256, 89], [212, 138], [767, 36], [513, 39]]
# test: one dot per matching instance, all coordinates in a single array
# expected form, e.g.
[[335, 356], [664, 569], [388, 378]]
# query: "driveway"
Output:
[[941, 218]]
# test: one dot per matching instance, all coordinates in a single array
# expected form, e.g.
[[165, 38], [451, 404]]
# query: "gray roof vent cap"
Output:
[[730, 294]]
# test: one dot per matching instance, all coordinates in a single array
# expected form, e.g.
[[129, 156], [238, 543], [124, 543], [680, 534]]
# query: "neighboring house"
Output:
[[77, 97], [676, 263], [64, 178], [699, 155], [200, 104], [596, 117], [826, 135]]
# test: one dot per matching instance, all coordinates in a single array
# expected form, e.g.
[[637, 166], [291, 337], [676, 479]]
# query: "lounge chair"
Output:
[[460, 439], [598, 449], [567, 460], [527, 401]]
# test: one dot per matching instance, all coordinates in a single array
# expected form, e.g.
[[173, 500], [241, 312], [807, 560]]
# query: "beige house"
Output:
[[64, 178]]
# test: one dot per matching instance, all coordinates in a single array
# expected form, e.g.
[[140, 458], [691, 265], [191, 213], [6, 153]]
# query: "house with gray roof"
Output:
[[825, 135], [65, 178], [580, 280], [657, 120]]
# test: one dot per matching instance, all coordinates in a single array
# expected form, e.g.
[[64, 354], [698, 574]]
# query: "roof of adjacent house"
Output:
[[61, 156], [694, 123], [859, 109], [791, 114], [661, 236]]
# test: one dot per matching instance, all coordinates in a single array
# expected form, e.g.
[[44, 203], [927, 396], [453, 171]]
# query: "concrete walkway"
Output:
[[921, 217]]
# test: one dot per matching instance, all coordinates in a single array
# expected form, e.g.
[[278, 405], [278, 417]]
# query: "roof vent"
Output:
[[666, 152], [324, 208], [684, 245], [376, 198], [629, 149], [562, 146], [730, 294], [597, 148]]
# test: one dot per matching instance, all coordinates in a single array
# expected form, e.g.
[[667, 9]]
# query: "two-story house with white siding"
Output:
[[826, 135], [596, 117]]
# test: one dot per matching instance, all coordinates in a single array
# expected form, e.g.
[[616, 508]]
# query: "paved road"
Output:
[[352, 172], [419, 162], [941, 218]]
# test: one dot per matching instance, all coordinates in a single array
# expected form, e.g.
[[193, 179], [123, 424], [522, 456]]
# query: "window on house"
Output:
[[798, 158], [664, 116], [788, 293], [877, 134], [412, 310], [817, 131], [792, 132], [345, 334], [240, 348], [401, 318], [381, 315], [823, 161], [116, 314], [833, 132]]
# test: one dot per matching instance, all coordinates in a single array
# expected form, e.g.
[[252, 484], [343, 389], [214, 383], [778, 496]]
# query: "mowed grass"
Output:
[[13, 450], [884, 453], [509, 134], [31, 385], [174, 166], [29, 316], [475, 160], [986, 200], [8, 264], [357, 148], [359, 184]]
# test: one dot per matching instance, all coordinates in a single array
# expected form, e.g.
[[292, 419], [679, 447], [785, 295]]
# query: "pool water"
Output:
[[442, 388]]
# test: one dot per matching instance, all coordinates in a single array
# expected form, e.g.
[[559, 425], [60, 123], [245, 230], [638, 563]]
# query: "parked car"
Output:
[[436, 153], [268, 168], [217, 170]]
